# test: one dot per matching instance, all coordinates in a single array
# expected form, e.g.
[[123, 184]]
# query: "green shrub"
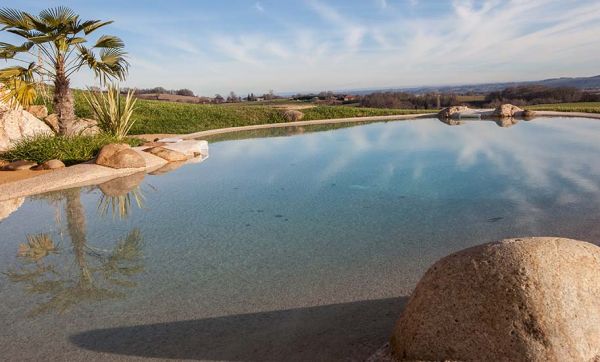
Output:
[[112, 111], [69, 149]]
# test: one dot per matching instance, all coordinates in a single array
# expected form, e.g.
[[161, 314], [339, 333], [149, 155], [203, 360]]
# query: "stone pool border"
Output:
[[86, 174]]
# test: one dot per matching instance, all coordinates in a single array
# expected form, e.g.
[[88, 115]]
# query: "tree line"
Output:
[[537, 94]]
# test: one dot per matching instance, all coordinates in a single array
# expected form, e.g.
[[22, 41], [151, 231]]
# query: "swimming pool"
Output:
[[299, 243]]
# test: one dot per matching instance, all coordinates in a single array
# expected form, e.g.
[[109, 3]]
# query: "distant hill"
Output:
[[588, 83]]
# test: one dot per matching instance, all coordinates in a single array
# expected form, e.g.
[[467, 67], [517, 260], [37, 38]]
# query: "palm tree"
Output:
[[100, 274], [54, 49]]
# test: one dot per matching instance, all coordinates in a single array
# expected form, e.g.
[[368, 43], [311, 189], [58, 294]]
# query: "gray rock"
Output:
[[19, 165], [119, 155], [530, 299]]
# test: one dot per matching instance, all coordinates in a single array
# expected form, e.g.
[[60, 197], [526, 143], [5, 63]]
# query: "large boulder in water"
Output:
[[507, 110], [16, 124], [452, 112], [530, 299]]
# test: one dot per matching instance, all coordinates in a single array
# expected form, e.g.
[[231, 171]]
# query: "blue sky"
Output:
[[288, 46]]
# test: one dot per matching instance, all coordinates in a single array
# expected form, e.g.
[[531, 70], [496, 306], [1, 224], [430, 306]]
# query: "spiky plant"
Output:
[[113, 112], [58, 36]]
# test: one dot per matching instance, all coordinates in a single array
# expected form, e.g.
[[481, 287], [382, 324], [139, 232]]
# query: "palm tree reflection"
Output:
[[118, 195], [43, 267]]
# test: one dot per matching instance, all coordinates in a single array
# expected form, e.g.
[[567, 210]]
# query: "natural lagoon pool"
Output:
[[286, 244]]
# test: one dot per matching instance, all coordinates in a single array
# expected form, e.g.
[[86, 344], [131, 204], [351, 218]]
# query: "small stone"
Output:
[[167, 154], [49, 165], [19, 165]]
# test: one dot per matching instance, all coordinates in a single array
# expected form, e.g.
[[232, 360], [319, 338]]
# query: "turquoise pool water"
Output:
[[285, 244]]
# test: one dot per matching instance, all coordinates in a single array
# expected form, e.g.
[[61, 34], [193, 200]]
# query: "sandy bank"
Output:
[[10, 176]]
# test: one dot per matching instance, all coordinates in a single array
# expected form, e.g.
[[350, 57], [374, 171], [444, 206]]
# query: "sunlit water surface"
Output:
[[284, 219]]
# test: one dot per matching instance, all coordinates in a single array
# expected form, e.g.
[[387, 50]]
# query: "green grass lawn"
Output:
[[588, 107], [166, 117], [172, 117], [69, 149]]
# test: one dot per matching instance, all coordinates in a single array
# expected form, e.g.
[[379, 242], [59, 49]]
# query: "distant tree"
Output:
[[159, 90], [219, 98], [184, 92], [269, 96], [233, 98]]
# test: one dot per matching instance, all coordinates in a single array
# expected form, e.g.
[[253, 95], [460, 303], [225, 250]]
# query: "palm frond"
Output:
[[110, 63], [57, 16], [91, 25], [12, 18], [76, 40], [6, 47], [109, 41], [18, 72]]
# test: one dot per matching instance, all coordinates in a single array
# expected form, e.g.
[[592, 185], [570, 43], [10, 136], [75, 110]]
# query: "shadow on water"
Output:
[[348, 331]]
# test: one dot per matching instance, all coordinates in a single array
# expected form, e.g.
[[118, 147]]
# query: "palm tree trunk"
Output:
[[63, 100], [77, 231]]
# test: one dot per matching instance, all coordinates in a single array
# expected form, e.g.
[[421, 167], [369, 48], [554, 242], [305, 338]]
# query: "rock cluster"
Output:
[[530, 299], [119, 155]]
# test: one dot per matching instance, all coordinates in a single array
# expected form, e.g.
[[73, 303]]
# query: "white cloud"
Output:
[[290, 50]]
